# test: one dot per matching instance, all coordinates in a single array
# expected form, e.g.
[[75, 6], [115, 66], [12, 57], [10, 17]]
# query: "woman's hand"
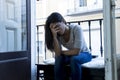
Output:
[[54, 29]]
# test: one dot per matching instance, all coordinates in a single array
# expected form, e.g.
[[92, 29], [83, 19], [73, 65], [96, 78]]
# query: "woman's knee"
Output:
[[74, 60], [59, 61]]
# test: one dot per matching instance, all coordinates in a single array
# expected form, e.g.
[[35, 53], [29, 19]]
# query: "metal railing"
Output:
[[99, 29], [89, 30]]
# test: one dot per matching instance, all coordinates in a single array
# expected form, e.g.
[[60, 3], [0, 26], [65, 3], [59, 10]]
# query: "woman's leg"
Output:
[[59, 68], [76, 62]]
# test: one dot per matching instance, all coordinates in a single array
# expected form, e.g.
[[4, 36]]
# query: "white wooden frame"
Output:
[[109, 39]]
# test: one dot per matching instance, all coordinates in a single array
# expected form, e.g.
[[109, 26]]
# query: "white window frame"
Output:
[[110, 40]]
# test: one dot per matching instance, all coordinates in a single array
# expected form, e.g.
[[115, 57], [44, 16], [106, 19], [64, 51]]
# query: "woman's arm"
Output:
[[57, 47], [71, 52], [56, 44]]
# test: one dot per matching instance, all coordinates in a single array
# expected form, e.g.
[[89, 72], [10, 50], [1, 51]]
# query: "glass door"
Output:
[[14, 38]]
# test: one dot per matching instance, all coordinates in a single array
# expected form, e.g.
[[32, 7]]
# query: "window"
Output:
[[82, 3], [84, 6]]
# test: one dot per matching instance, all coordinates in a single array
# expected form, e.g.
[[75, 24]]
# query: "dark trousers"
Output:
[[75, 64]]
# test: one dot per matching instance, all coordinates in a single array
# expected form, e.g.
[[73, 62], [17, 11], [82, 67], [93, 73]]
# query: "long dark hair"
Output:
[[53, 18]]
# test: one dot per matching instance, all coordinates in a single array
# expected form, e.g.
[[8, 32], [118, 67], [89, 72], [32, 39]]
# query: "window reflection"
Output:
[[13, 25], [24, 34]]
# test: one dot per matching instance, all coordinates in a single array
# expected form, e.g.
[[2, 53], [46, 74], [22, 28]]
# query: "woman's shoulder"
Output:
[[75, 27]]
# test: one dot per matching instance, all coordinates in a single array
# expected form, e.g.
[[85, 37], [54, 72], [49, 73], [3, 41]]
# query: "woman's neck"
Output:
[[66, 34]]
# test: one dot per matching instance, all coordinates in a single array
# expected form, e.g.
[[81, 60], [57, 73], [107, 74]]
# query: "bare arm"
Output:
[[71, 52], [57, 47]]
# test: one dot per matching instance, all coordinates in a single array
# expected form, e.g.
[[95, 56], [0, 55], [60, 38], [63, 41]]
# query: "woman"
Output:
[[58, 34]]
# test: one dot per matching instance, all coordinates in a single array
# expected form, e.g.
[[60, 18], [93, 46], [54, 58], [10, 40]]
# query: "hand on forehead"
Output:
[[53, 25]]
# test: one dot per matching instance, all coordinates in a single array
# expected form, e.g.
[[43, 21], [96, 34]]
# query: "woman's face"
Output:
[[61, 26]]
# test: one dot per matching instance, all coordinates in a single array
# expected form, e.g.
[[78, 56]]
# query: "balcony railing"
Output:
[[93, 32], [90, 29]]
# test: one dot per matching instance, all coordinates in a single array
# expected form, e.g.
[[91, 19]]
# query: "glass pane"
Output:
[[13, 35]]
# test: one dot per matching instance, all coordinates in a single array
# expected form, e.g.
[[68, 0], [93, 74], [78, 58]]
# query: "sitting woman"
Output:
[[58, 34]]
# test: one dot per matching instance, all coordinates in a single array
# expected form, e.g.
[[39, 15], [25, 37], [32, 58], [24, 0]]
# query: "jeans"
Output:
[[75, 65]]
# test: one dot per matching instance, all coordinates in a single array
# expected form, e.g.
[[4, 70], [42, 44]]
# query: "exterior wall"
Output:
[[63, 10], [55, 6]]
